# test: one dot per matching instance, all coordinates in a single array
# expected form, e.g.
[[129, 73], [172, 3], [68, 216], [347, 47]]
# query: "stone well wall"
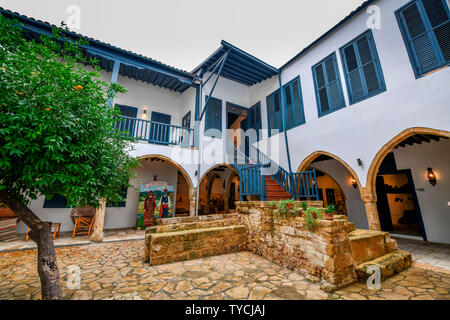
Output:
[[323, 255]]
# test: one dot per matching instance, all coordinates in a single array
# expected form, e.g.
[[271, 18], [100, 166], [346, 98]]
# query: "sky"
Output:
[[183, 33]]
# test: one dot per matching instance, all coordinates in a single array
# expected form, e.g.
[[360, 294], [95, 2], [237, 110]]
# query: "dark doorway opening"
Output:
[[398, 206]]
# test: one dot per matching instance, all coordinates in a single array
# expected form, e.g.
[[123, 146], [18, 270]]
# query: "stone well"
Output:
[[322, 256]]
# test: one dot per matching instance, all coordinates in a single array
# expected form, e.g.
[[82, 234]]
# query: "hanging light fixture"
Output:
[[431, 177], [354, 183]]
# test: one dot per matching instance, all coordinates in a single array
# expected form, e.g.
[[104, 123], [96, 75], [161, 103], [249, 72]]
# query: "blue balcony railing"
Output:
[[156, 132]]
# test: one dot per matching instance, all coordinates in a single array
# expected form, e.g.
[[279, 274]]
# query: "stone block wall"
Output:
[[367, 245], [168, 247], [323, 255]]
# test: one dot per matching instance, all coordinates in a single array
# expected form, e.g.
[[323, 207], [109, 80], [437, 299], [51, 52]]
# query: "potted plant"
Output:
[[329, 212], [283, 207], [290, 204], [311, 219], [304, 208]]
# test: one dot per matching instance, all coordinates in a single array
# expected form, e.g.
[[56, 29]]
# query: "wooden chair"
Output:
[[83, 225], [56, 226]]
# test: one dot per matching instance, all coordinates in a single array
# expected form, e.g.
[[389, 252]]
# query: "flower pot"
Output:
[[329, 216]]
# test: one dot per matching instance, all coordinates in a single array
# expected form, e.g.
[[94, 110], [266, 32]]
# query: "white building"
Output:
[[366, 105]]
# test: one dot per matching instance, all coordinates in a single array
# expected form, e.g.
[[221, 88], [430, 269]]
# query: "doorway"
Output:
[[397, 203], [160, 128], [236, 119]]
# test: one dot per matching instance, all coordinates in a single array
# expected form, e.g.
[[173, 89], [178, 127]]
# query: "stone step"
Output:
[[367, 245], [166, 221], [199, 224], [183, 245], [389, 264]]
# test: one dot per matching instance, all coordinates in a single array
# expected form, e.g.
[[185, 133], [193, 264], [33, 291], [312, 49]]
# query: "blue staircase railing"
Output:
[[305, 185], [156, 132], [252, 182], [272, 169], [302, 185]]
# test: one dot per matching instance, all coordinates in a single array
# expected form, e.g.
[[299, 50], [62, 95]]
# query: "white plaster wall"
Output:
[[185, 157], [356, 212], [142, 94], [115, 218], [361, 129], [433, 200]]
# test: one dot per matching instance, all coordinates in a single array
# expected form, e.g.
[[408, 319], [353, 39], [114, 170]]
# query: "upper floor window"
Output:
[[213, 116], [327, 82], [55, 202], [274, 113], [363, 73], [121, 204], [425, 26], [294, 104]]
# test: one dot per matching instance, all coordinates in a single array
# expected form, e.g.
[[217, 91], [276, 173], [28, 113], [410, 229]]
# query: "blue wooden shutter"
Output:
[[426, 28], [294, 106], [328, 85], [363, 71], [274, 112], [214, 115]]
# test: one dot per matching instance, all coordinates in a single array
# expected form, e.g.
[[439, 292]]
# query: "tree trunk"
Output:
[[42, 235]]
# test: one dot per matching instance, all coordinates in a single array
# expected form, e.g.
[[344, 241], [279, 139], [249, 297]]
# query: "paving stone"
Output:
[[116, 270]]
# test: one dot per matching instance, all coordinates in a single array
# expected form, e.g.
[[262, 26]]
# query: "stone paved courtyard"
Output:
[[117, 271]]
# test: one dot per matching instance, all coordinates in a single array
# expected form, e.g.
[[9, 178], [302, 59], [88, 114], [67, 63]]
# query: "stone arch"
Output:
[[205, 175], [192, 189], [215, 167], [313, 156], [379, 157], [369, 194], [368, 200], [334, 180]]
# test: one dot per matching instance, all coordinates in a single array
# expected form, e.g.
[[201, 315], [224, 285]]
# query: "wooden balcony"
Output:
[[156, 132]]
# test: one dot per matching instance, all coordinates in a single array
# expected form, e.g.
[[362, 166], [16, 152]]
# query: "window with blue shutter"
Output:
[[274, 117], [55, 202], [425, 26], [363, 73], [121, 204], [327, 82], [294, 104], [254, 118], [213, 117]]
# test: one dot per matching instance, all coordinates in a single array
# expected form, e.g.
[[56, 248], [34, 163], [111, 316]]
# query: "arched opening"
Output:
[[337, 184], [215, 190], [156, 174], [232, 192], [330, 192], [409, 202]]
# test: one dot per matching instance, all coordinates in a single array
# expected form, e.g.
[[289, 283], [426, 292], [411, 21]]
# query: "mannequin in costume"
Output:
[[164, 205], [149, 210]]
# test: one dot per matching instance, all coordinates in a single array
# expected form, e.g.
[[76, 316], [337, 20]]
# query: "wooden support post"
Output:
[[97, 235]]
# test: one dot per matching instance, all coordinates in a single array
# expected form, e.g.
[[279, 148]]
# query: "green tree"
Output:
[[56, 134]]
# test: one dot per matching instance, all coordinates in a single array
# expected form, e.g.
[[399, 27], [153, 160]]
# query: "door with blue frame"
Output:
[[160, 128], [128, 125]]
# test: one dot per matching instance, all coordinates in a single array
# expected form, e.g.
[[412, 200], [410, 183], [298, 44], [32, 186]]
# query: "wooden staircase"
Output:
[[274, 191]]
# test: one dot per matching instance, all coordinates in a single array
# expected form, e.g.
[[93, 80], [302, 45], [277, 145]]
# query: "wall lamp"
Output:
[[431, 177], [354, 183]]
